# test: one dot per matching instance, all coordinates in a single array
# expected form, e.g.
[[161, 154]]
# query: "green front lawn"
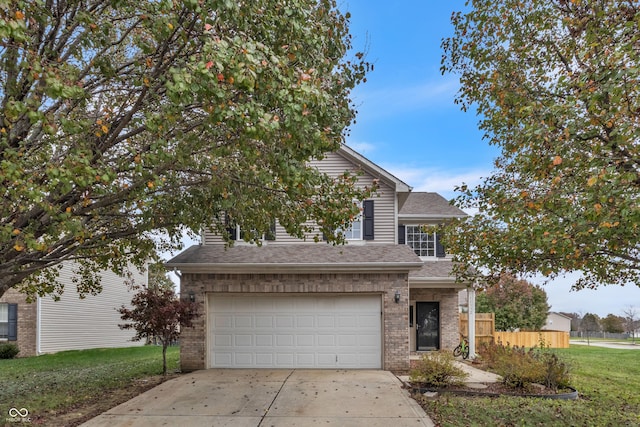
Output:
[[608, 381], [57, 383]]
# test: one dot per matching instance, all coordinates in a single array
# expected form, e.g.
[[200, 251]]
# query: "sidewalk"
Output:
[[477, 375]]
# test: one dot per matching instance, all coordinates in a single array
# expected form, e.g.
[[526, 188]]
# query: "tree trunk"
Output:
[[164, 357]]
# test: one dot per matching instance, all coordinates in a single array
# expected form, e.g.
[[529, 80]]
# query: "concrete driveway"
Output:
[[269, 397]]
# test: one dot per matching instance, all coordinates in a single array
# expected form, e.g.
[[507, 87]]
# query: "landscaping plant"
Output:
[[8, 351], [520, 367], [437, 369], [158, 313]]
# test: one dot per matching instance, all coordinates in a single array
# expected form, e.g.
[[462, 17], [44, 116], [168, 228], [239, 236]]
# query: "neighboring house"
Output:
[[293, 303], [557, 322], [48, 326]]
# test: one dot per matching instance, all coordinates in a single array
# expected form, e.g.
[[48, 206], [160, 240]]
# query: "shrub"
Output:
[[8, 351], [519, 368], [438, 369]]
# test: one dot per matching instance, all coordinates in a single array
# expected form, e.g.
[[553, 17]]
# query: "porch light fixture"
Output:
[[192, 296], [396, 297]]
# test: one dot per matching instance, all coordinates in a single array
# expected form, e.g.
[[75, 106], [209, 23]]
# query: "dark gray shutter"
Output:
[[233, 233], [367, 215], [231, 228], [13, 322], [271, 234], [402, 235], [439, 248]]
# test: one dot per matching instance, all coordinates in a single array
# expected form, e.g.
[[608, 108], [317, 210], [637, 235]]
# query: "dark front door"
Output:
[[428, 325]]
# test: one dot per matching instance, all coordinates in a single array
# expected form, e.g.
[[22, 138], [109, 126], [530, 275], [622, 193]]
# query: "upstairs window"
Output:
[[362, 226], [239, 234], [424, 241]]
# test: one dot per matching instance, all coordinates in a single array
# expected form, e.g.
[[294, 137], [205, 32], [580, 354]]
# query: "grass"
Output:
[[607, 380], [56, 383]]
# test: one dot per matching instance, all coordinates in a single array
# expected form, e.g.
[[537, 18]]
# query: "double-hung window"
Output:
[[362, 226], [8, 321], [424, 241], [239, 234]]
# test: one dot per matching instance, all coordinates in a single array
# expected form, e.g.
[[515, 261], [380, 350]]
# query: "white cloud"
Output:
[[364, 148], [442, 181], [391, 101]]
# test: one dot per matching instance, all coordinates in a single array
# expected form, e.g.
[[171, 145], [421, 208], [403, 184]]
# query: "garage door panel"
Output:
[[242, 358], [264, 321], [304, 321], [306, 340], [264, 340], [243, 321], [287, 331], [223, 340], [223, 320], [326, 321], [284, 321]]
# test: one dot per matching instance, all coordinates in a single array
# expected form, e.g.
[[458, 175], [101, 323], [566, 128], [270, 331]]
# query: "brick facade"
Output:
[[449, 314], [193, 349], [27, 322]]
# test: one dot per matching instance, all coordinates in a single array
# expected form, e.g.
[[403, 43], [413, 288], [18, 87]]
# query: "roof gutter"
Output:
[[240, 268]]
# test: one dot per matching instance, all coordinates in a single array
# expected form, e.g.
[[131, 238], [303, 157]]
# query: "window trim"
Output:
[[434, 245], [12, 322]]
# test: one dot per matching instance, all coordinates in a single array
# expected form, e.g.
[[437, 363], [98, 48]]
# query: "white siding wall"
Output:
[[76, 324], [384, 205]]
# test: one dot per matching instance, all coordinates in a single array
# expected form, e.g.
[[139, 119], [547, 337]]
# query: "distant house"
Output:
[[557, 322], [48, 326]]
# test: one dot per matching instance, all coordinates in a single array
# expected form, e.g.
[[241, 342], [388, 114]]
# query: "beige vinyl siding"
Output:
[[210, 238], [384, 202], [334, 165], [76, 324]]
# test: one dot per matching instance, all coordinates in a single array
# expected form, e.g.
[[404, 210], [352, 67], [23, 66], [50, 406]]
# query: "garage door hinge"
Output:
[[336, 358]]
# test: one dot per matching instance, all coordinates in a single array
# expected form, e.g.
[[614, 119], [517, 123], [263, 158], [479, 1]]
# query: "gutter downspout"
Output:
[[38, 325]]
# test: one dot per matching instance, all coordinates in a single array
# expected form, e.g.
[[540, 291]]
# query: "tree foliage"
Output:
[[158, 278], [556, 84], [123, 124], [590, 323], [517, 304], [613, 324], [158, 313]]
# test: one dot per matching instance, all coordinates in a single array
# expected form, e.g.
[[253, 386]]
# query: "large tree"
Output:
[[123, 124], [612, 323], [517, 304], [556, 86]]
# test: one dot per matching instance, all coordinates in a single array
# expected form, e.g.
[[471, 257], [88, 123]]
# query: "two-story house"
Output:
[[48, 326], [369, 303]]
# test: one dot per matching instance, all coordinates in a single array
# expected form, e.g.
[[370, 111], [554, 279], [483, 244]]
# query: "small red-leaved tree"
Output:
[[158, 313]]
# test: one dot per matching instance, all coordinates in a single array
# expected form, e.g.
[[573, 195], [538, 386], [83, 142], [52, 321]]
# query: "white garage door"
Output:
[[295, 332]]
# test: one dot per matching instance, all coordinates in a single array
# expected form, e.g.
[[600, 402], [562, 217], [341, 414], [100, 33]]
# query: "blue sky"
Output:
[[408, 124]]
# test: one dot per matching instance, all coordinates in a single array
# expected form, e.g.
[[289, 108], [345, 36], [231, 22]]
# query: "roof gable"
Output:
[[428, 205], [359, 160]]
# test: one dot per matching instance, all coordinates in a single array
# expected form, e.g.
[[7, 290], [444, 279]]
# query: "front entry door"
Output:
[[428, 326]]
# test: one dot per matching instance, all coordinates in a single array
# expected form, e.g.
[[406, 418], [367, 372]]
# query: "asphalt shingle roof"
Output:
[[433, 269], [421, 203], [297, 256]]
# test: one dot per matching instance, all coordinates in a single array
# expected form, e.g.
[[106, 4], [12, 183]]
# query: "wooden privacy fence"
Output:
[[485, 327], [486, 333], [553, 339]]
